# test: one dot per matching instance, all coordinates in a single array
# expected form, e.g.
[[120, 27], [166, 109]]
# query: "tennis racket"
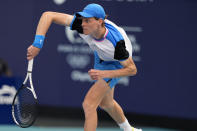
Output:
[[24, 105]]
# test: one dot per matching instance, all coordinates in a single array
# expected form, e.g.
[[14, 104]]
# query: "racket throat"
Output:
[[33, 92]]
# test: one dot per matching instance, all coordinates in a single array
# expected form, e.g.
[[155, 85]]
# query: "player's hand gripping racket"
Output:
[[24, 105]]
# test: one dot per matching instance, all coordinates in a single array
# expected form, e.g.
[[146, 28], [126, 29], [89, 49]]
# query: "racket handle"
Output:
[[30, 65]]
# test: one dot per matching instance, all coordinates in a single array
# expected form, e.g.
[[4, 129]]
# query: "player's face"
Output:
[[90, 25]]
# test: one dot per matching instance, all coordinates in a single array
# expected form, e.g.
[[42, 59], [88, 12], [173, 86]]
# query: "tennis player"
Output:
[[113, 59]]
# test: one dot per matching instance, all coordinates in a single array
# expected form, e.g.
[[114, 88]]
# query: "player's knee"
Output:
[[88, 107]]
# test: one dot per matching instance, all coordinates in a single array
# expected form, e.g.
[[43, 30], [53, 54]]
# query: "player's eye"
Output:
[[86, 20]]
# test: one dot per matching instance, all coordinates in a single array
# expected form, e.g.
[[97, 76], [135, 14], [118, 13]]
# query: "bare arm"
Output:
[[129, 69], [46, 20]]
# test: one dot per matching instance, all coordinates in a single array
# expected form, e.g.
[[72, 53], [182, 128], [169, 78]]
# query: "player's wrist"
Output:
[[38, 41]]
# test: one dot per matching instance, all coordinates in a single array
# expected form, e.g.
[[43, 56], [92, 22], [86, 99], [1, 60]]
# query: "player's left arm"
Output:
[[129, 69]]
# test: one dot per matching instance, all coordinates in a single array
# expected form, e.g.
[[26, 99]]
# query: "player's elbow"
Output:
[[48, 15], [135, 71], [132, 70]]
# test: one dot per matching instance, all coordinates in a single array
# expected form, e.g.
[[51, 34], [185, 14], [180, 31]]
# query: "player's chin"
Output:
[[86, 32], [93, 78], [29, 58]]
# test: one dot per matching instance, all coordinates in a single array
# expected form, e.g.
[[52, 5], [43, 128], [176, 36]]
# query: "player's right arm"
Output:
[[45, 21], [48, 18]]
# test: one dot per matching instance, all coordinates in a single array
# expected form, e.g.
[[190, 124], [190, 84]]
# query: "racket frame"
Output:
[[31, 88]]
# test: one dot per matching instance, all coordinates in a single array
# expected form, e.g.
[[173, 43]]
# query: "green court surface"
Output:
[[15, 128]]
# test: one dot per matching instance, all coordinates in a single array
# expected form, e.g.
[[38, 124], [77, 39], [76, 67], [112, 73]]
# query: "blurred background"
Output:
[[161, 97]]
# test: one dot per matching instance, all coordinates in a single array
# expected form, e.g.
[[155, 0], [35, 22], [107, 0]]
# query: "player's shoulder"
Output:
[[114, 35]]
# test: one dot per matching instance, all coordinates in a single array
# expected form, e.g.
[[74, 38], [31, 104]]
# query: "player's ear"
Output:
[[101, 21]]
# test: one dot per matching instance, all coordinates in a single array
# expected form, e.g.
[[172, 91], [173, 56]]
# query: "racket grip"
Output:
[[30, 65]]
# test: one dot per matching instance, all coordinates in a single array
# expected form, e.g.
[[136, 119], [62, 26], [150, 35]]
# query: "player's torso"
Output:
[[105, 47]]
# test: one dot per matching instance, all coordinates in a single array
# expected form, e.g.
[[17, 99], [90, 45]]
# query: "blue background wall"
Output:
[[163, 34]]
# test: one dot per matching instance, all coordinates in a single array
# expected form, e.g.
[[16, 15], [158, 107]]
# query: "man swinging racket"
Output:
[[113, 59]]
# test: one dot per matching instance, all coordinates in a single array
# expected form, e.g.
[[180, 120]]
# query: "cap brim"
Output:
[[85, 15]]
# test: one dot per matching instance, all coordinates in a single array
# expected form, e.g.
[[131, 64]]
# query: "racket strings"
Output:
[[25, 108]]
